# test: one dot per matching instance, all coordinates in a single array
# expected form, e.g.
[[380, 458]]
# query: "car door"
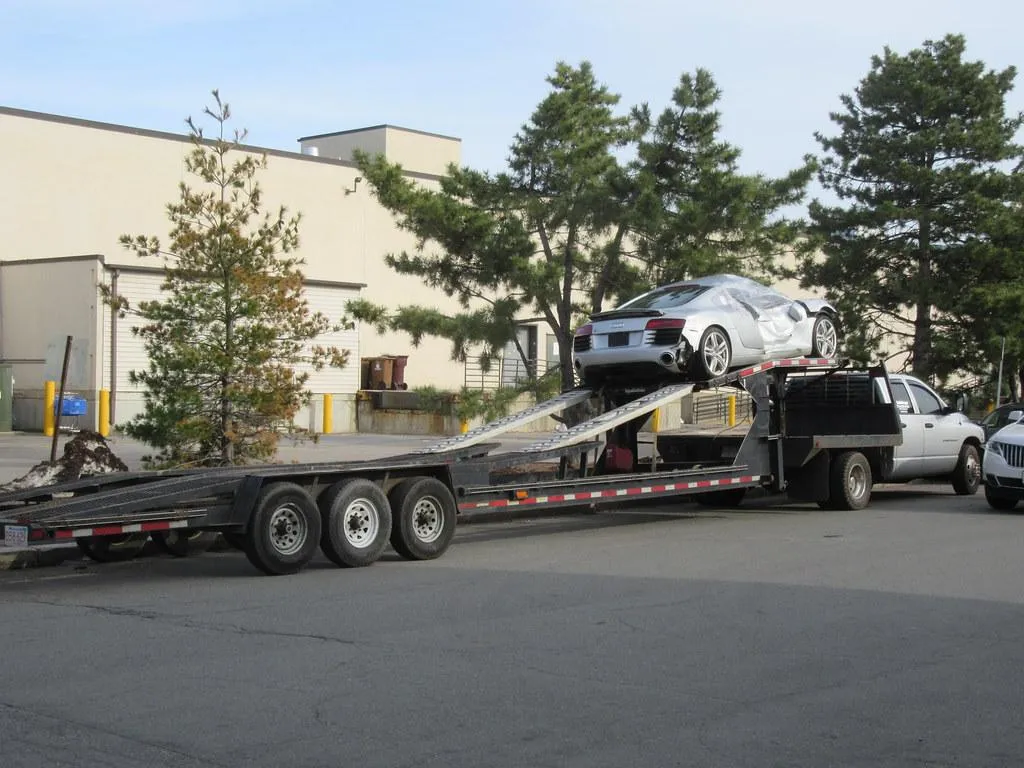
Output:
[[908, 458], [943, 429]]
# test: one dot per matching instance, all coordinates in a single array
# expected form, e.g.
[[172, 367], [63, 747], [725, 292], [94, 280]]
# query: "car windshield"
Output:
[[665, 298]]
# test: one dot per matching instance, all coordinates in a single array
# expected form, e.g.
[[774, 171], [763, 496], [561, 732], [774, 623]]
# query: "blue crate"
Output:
[[73, 405]]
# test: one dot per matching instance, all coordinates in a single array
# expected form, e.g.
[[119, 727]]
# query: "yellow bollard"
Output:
[[656, 421], [732, 410], [49, 396], [464, 426], [328, 414], [104, 425]]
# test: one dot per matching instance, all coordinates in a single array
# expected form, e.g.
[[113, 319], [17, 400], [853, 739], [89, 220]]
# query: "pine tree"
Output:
[[232, 324], [919, 169]]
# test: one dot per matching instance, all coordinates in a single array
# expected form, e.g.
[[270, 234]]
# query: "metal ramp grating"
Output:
[[494, 428], [600, 424]]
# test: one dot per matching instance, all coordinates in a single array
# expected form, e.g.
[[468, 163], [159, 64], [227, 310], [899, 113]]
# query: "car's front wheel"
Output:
[[714, 353], [824, 336]]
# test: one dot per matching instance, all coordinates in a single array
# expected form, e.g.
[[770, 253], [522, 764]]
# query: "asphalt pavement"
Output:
[[649, 636]]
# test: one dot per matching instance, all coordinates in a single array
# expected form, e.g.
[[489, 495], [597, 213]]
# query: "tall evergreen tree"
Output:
[[232, 324], [919, 170]]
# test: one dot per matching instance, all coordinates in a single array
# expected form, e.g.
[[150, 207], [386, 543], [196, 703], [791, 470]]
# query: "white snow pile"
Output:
[[87, 453]]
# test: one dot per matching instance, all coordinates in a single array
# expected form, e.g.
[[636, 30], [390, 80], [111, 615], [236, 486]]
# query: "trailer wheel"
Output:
[[730, 498], [112, 549], [356, 522], [183, 542], [284, 530], [424, 518], [850, 481]]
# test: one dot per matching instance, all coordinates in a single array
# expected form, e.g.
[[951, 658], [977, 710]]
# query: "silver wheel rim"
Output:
[[857, 483], [715, 352], [973, 470], [287, 529], [427, 519], [360, 523], [825, 340]]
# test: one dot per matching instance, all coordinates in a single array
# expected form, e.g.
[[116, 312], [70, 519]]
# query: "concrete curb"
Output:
[[37, 556]]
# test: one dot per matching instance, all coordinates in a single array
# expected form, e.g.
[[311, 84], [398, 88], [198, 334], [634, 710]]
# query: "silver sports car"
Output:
[[701, 328]]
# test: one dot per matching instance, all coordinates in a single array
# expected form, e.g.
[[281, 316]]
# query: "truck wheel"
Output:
[[183, 542], [1002, 503], [113, 549], [850, 481], [284, 530], [967, 475], [730, 498], [356, 522], [424, 518]]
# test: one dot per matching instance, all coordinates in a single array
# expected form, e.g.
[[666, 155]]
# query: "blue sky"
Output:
[[470, 69]]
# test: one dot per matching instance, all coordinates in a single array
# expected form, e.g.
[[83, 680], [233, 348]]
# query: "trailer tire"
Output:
[[850, 481], [355, 522], [730, 498], [284, 531], [424, 518], [113, 549], [183, 542], [967, 475]]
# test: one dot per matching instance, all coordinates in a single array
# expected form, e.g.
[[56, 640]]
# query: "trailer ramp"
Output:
[[606, 421], [508, 423]]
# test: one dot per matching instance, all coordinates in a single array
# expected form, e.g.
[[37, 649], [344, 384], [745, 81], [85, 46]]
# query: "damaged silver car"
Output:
[[701, 328]]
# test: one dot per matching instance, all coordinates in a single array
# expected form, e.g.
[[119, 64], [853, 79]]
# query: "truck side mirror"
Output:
[[1016, 415]]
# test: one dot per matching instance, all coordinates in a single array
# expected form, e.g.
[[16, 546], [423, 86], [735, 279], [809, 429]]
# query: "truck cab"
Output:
[[938, 440]]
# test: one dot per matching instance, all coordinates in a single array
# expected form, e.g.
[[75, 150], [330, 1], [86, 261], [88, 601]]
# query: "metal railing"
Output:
[[504, 372]]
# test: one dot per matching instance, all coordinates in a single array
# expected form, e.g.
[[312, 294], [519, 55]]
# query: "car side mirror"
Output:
[[1016, 415]]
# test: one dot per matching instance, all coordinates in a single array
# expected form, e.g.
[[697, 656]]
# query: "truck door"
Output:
[[943, 431], [909, 457]]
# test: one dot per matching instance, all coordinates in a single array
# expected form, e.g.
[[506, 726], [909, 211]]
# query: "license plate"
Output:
[[620, 339], [15, 535]]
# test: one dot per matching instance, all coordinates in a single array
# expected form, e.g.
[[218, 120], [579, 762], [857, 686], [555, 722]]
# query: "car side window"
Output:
[[902, 397], [927, 402]]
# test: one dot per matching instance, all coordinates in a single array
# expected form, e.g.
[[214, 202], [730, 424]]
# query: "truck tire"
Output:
[[967, 475], [355, 522], [1002, 503], [730, 498], [183, 542], [284, 531], [113, 549], [424, 518], [849, 481]]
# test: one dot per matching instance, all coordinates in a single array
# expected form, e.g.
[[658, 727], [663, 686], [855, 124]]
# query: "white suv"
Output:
[[937, 439], [1004, 464]]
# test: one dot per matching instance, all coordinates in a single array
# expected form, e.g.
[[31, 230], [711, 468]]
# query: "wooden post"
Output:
[[60, 400]]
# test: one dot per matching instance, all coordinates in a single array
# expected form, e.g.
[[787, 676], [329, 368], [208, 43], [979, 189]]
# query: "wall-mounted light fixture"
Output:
[[355, 185]]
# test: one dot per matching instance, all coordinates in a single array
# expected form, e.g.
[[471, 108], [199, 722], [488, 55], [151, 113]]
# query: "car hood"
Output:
[[1011, 433]]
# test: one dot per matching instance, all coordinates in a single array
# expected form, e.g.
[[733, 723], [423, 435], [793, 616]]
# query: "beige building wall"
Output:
[[71, 187], [416, 151]]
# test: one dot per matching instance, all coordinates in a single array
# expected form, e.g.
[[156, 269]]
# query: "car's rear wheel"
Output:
[[824, 336], [714, 353]]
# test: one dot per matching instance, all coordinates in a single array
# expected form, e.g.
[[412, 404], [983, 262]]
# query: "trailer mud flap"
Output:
[[810, 481]]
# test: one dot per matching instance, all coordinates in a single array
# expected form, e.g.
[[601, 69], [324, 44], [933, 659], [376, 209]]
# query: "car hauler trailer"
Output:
[[817, 433]]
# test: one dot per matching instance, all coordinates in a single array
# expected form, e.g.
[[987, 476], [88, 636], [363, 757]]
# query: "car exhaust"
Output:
[[667, 358]]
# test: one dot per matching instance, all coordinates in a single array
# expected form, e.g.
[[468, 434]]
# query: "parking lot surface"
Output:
[[660, 635]]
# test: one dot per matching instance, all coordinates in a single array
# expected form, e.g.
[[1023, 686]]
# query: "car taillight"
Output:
[[664, 322], [585, 330]]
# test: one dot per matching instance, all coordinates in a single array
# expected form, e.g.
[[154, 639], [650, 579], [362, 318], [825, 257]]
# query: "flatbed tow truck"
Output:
[[819, 432]]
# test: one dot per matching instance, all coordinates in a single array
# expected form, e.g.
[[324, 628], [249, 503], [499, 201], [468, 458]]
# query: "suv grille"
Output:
[[1012, 454]]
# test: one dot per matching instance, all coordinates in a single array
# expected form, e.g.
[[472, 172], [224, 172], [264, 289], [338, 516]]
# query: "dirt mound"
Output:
[[87, 453]]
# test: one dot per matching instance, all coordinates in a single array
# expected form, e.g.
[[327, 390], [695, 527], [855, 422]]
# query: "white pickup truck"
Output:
[[938, 441]]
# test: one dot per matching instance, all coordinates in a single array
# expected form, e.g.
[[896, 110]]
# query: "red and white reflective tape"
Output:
[[610, 493], [793, 362], [116, 530]]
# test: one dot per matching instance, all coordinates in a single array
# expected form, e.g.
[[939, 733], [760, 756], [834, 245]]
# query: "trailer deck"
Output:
[[280, 514]]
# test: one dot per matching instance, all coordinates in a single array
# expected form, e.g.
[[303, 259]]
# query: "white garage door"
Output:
[[143, 286]]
